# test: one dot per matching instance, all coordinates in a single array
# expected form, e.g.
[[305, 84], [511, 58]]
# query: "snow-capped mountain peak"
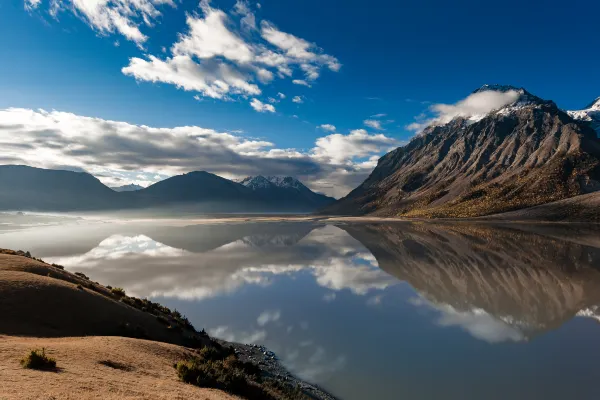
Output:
[[594, 105], [256, 182], [285, 182], [590, 115]]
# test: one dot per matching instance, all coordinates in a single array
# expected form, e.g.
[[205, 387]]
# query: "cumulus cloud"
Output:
[[281, 95], [212, 79], [115, 151], [219, 55], [216, 60], [124, 17], [474, 106], [373, 123], [339, 148], [261, 107], [327, 127], [298, 100]]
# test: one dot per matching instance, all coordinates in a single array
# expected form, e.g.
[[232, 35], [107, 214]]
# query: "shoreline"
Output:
[[153, 322]]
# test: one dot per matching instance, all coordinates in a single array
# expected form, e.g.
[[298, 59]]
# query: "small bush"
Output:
[[58, 266], [117, 291], [37, 359], [217, 368]]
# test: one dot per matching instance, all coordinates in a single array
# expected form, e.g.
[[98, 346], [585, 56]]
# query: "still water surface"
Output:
[[369, 310]]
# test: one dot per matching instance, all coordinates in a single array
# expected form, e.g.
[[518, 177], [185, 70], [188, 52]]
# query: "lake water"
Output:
[[367, 310]]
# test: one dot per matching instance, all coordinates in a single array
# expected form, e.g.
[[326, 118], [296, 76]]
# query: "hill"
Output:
[[524, 154], [28, 188]]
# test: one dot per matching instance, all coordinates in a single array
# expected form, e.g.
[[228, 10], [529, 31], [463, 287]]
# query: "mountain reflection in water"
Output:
[[365, 308]]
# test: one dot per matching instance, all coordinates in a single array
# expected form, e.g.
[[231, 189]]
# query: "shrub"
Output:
[[117, 291], [37, 359], [217, 368], [58, 266]]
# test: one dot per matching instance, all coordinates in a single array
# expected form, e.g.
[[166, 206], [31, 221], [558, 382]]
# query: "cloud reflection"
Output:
[[148, 268]]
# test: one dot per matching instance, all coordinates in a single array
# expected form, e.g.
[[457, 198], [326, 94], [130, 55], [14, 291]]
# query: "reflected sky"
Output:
[[382, 311]]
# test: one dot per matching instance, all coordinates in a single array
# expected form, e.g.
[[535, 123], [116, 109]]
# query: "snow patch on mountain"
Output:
[[590, 115]]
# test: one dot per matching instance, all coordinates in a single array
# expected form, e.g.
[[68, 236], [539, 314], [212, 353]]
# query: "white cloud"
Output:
[[327, 127], [373, 123], [298, 100], [209, 37], [378, 115], [112, 150], [307, 54], [217, 60], [32, 4], [474, 106], [214, 56], [262, 107], [212, 79], [300, 82], [124, 17], [340, 148], [268, 316], [248, 20], [281, 95]]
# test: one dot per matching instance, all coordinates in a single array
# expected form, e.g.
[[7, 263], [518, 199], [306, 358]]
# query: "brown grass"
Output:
[[96, 368]]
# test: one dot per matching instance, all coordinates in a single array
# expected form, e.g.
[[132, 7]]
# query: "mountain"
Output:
[[127, 188], [589, 115], [286, 191], [37, 189], [524, 154]]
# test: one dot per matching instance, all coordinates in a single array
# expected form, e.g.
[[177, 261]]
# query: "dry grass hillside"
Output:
[[108, 345]]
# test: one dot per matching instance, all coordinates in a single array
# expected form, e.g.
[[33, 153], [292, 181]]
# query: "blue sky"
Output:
[[360, 60]]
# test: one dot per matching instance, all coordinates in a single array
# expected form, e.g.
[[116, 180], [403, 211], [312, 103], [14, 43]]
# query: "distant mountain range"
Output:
[[36, 189], [286, 190], [127, 188], [524, 154]]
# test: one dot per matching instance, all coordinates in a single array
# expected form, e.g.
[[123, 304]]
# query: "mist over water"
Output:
[[366, 310]]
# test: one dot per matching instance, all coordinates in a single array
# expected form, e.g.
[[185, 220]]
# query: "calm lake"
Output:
[[366, 310]]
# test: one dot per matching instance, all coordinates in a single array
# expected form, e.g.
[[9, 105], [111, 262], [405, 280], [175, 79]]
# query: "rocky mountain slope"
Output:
[[286, 190], [524, 154]]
